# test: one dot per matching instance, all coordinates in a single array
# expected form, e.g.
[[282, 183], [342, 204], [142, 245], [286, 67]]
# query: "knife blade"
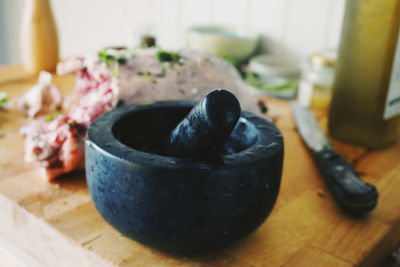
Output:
[[353, 195]]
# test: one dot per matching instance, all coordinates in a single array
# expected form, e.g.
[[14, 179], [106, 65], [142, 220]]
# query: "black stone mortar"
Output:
[[181, 205]]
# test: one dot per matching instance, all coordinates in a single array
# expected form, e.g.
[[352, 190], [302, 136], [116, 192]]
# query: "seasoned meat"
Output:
[[124, 77]]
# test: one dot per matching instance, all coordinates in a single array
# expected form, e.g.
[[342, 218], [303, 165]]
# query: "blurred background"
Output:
[[289, 28]]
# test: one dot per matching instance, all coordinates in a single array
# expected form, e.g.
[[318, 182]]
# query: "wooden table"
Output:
[[56, 224]]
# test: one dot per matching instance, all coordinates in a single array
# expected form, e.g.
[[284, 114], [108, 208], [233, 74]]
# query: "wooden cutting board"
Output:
[[56, 224]]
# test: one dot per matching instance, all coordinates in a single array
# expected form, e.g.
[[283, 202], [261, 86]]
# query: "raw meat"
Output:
[[124, 77]]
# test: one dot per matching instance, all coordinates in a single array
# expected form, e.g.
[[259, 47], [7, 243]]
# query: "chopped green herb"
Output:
[[105, 57], [263, 108], [50, 117], [165, 56], [3, 100], [149, 75], [144, 73], [120, 103], [108, 59], [121, 60]]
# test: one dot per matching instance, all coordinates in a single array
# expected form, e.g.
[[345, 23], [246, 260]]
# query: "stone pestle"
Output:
[[203, 132]]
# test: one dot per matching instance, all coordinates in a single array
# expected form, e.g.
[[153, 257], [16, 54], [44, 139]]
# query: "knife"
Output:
[[354, 195]]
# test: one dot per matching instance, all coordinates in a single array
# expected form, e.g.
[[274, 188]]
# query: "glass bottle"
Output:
[[365, 105], [39, 41]]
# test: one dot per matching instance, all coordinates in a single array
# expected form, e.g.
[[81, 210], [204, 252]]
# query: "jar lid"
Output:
[[326, 58]]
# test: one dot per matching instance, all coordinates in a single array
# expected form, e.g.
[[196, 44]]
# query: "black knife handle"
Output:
[[354, 195]]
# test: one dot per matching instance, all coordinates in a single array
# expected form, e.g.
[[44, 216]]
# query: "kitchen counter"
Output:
[[56, 224]]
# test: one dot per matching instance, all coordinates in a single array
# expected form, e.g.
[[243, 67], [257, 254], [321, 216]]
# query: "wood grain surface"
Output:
[[56, 224]]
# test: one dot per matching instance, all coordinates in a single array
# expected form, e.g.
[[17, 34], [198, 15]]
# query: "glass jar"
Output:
[[316, 83]]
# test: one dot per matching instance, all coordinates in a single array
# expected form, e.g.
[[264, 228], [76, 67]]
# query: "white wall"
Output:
[[293, 27], [10, 13]]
